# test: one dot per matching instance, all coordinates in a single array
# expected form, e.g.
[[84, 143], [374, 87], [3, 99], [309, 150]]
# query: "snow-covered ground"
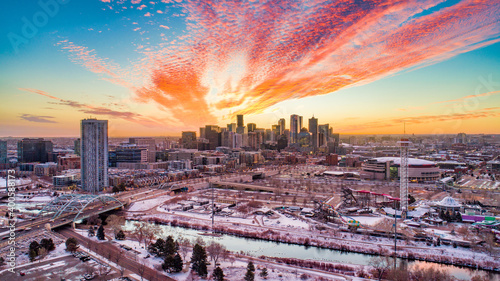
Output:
[[36, 199], [22, 246], [277, 220], [233, 271], [366, 220], [18, 182], [148, 204]]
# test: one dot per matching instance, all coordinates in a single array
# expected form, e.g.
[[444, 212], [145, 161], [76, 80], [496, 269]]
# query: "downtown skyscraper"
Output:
[[313, 129], [295, 126], [34, 150], [94, 154]]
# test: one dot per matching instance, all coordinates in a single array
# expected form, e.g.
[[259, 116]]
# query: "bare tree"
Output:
[[464, 232], [139, 231], [489, 243], [381, 265], [115, 223], [215, 251], [231, 259], [199, 241], [184, 246], [430, 273], [150, 232], [93, 220], [226, 255]]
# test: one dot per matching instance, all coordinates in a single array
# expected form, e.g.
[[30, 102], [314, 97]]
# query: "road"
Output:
[[114, 254]]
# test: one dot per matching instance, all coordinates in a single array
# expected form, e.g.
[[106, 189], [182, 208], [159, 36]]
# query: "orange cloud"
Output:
[[424, 119], [240, 57]]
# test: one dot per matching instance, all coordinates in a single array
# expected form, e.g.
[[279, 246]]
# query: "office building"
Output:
[[231, 127], [323, 134], [68, 162], [189, 140], [34, 150], [77, 147], [281, 123], [129, 153], [276, 130], [313, 129], [94, 154], [3, 152], [251, 127], [295, 127], [212, 133], [148, 143], [239, 121]]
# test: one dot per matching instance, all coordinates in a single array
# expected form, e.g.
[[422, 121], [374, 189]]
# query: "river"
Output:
[[257, 247]]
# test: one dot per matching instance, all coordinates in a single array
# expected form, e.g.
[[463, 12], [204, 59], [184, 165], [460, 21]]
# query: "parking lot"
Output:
[[70, 267]]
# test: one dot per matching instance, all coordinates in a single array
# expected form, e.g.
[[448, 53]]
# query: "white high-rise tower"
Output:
[[94, 154]]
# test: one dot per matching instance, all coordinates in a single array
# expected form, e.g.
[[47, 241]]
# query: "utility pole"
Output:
[[395, 232], [213, 208]]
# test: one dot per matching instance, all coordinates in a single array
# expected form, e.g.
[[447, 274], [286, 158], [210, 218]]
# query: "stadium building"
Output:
[[385, 168]]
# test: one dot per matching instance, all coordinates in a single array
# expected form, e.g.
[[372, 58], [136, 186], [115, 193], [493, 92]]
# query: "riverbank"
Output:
[[323, 239]]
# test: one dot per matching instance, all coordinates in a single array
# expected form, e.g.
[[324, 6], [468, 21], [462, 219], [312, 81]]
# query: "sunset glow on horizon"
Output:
[[159, 68]]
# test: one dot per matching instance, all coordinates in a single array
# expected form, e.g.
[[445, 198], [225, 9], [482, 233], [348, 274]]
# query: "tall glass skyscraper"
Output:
[[295, 126], [34, 150], [94, 154], [313, 129]]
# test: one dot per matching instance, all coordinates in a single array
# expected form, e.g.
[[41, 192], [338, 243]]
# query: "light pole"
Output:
[[395, 240]]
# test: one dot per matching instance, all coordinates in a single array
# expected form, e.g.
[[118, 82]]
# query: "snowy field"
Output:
[[277, 220], [18, 182], [368, 221], [148, 204]]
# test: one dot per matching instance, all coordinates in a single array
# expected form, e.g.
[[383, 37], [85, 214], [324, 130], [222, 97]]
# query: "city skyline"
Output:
[[157, 69]]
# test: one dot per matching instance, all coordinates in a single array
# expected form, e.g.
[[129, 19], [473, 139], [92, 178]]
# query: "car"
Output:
[[22, 273]]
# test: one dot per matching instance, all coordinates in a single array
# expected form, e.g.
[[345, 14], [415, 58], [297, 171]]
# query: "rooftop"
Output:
[[411, 161]]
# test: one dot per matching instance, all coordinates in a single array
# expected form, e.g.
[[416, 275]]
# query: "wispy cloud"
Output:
[[424, 119], [91, 61], [94, 110], [39, 92], [471, 97], [37, 118]]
